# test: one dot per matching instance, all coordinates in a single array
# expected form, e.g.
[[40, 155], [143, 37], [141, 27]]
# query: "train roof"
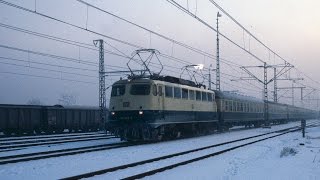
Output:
[[46, 106], [234, 96], [169, 79]]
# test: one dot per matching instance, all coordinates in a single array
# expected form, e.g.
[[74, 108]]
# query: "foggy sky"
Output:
[[289, 27]]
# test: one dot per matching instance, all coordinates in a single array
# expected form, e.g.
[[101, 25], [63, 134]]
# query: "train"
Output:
[[36, 119], [167, 107]]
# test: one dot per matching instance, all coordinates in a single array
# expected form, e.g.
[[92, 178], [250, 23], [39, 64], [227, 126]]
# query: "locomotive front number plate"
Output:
[[126, 104]]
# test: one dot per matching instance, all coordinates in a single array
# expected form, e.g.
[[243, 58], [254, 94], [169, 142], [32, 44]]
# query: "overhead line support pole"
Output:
[[102, 83], [275, 92], [218, 56], [265, 85]]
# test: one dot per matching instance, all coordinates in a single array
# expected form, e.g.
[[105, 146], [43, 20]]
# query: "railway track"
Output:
[[169, 161], [17, 138], [63, 152], [50, 141]]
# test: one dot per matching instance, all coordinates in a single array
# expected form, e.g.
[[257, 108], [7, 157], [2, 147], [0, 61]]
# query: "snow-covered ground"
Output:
[[258, 161]]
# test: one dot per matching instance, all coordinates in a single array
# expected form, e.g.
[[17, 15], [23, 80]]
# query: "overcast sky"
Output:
[[289, 27]]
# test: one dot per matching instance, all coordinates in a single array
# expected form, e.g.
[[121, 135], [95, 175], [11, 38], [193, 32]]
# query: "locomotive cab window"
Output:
[[160, 90], [154, 90], [118, 90], [140, 89]]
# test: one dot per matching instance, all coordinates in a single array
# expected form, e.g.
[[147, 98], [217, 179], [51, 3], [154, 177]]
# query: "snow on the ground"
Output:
[[259, 161], [236, 164]]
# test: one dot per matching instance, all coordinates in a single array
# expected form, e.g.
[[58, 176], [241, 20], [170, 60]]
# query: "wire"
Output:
[[46, 77], [148, 30], [47, 64], [174, 3], [235, 21], [46, 69], [89, 63]]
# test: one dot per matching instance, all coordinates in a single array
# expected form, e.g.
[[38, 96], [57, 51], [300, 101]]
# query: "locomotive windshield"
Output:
[[118, 90], [140, 89]]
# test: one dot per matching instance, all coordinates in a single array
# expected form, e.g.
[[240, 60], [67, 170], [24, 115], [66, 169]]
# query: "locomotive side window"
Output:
[[210, 97], [168, 91], [154, 90], [198, 95], [177, 92], [191, 94], [160, 90], [204, 96], [140, 89], [118, 90], [184, 93]]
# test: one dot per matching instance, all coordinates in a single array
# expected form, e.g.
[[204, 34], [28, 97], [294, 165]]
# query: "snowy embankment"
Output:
[[259, 161]]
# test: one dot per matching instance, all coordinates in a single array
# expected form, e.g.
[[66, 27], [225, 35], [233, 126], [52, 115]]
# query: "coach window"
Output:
[[154, 90], [184, 93], [204, 96], [234, 107], [209, 97], [191, 94], [238, 106], [226, 106], [177, 92], [118, 90], [160, 90], [168, 91], [198, 95]]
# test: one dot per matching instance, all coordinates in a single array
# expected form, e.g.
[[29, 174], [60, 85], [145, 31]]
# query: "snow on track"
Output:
[[66, 166]]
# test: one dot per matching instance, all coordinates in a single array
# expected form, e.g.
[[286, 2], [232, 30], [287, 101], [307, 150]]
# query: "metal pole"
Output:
[[210, 77], [102, 88], [218, 58], [265, 84], [303, 127], [275, 92], [292, 93]]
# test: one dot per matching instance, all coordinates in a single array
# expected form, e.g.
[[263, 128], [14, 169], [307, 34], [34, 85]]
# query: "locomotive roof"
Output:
[[169, 79]]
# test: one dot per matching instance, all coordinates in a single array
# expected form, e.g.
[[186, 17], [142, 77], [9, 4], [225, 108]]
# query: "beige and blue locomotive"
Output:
[[164, 107]]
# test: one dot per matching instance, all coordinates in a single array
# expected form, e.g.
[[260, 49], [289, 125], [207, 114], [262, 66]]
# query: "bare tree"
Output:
[[67, 99], [35, 101]]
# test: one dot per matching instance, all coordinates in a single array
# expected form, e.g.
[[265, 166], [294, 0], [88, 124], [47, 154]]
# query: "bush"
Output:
[[286, 151]]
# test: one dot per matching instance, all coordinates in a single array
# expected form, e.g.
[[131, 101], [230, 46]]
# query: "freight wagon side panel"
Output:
[[3, 119]]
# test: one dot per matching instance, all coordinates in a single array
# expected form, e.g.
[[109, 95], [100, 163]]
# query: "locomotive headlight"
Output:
[[113, 113], [140, 112]]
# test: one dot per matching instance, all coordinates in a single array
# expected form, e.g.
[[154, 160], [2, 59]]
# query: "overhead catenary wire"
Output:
[[174, 3], [47, 77], [117, 41]]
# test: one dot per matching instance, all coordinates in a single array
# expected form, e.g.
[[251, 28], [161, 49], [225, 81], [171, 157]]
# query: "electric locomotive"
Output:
[[158, 108]]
